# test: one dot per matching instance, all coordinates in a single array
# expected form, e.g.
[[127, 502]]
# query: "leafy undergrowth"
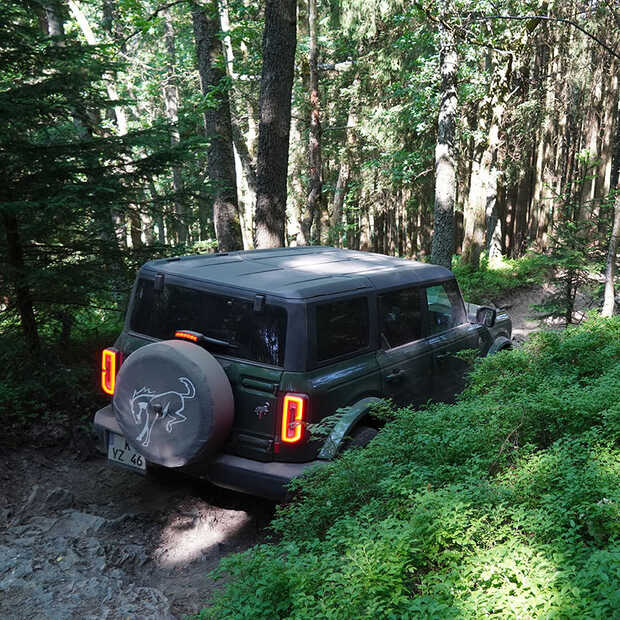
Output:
[[61, 386], [506, 503], [492, 281]]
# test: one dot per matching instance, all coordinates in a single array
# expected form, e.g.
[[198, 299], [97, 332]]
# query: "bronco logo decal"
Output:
[[147, 407]]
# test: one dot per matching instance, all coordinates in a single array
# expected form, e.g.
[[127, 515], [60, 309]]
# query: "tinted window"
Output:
[[401, 317], [342, 327], [258, 337], [445, 306]]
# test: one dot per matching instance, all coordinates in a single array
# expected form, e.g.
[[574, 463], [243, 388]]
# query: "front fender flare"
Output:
[[351, 416]]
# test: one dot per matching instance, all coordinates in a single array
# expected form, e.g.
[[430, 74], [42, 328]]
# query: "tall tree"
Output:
[[218, 129], [171, 99], [314, 202], [445, 174], [244, 141], [279, 42]]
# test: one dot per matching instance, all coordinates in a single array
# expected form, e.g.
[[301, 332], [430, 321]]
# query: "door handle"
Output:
[[443, 356], [396, 375]]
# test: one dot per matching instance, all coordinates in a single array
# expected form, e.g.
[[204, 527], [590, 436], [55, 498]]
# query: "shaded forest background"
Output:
[[131, 129]]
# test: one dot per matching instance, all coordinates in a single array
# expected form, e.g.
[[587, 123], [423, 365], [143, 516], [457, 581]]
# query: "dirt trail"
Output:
[[526, 320], [79, 539], [519, 307]]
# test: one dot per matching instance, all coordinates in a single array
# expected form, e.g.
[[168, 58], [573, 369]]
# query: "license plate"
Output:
[[121, 453]]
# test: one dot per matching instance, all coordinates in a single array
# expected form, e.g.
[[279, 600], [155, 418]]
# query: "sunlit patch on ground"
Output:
[[193, 532]]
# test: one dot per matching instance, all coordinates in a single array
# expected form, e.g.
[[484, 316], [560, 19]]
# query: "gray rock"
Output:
[[74, 523], [59, 499], [126, 556], [41, 501]]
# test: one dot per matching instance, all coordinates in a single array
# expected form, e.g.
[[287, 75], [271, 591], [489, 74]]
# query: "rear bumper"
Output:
[[263, 479], [225, 470]]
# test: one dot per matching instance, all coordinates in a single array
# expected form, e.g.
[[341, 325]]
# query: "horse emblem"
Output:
[[147, 407]]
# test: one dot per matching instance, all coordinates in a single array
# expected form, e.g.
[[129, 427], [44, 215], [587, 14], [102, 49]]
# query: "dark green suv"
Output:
[[226, 359]]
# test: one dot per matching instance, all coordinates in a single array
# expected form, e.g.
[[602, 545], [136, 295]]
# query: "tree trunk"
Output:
[[279, 41], [218, 129], [243, 145], [55, 22], [315, 187], [15, 260], [171, 99], [610, 266], [445, 179], [91, 39], [481, 224]]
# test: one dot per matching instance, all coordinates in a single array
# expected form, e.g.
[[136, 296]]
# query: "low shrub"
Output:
[[62, 384], [506, 503], [490, 282]]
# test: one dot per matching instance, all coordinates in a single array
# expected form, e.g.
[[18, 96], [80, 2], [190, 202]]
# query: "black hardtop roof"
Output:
[[300, 272]]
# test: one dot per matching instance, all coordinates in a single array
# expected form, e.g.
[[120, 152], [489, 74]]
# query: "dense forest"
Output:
[[130, 129]]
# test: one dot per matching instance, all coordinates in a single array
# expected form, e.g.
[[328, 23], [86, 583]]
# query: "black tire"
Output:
[[359, 437], [173, 402]]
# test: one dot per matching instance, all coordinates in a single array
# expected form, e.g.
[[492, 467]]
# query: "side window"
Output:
[[401, 316], [445, 307], [342, 327]]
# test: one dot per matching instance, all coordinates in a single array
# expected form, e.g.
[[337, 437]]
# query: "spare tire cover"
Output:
[[173, 402]]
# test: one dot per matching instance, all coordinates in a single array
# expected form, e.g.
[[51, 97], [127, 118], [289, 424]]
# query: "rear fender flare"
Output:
[[351, 416], [501, 342]]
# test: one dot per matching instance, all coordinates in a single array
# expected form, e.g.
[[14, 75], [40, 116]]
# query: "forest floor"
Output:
[[79, 539]]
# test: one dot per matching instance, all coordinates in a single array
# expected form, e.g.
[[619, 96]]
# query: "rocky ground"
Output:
[[79, 539]]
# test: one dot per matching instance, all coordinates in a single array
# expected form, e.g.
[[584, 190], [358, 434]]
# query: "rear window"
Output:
[[254, 336], [342, 328]]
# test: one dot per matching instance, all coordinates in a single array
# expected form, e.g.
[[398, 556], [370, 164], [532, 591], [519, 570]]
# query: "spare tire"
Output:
[[173, 402]]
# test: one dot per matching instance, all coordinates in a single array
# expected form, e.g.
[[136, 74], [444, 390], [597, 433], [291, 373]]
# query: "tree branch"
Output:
[[153, 15], [549, 18]]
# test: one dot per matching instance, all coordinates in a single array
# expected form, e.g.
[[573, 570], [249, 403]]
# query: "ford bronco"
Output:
[[226, 359]]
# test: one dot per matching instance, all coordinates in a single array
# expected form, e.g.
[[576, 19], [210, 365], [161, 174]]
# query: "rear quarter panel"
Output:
[[330, 388]]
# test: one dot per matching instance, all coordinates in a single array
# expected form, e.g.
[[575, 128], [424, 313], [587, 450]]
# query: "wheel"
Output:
[[359, 437], [173, 402]]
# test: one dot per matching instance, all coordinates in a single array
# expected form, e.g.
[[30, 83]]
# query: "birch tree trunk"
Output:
[[218, 129], [445, 178], [279, 41]]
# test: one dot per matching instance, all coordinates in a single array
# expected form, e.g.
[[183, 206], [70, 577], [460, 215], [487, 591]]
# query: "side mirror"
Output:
[[486, 316]]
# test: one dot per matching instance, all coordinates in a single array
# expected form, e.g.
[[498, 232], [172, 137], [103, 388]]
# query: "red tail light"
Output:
[[294, 409], [110, 361]]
